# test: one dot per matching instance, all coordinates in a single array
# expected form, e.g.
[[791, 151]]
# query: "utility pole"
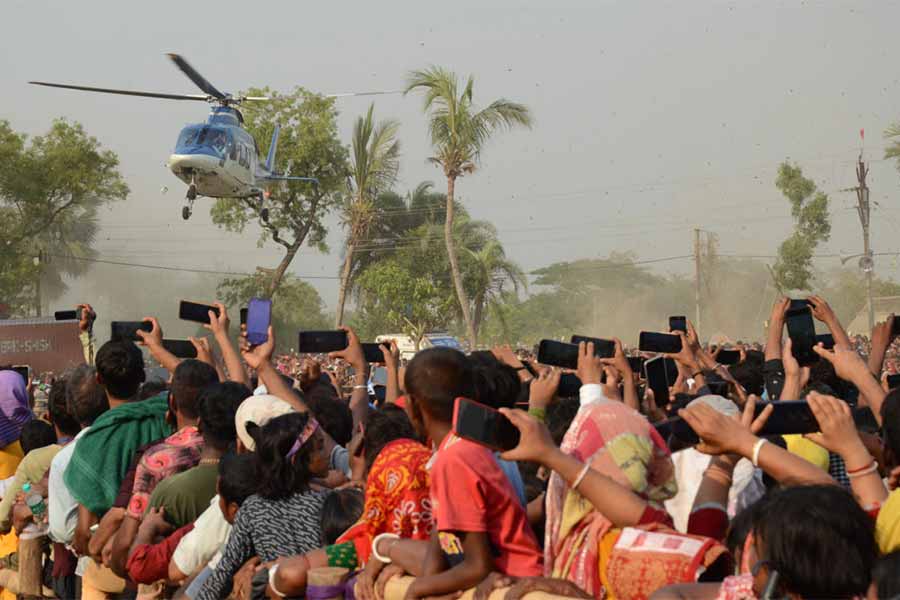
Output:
[[697, 278]]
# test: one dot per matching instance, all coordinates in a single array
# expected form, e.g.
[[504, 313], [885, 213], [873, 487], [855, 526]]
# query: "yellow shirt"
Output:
[[10, 457]]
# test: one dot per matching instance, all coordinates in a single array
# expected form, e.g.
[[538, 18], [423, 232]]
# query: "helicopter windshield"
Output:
[[203, 139]]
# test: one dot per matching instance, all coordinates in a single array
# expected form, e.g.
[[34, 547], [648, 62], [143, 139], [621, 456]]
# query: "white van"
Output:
[[407, 345]]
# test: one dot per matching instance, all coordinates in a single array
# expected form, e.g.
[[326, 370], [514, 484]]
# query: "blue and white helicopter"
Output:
[[219, 158]]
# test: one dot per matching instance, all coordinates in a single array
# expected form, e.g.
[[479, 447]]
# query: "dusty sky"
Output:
[[651, 118]]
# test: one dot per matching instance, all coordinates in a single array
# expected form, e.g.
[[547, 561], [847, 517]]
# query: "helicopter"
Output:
[[218, 158]]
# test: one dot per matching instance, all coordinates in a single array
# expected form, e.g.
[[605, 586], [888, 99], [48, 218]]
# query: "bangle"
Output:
[[272, 570], [863, 468], [756, 448], [385, 559], [360, 387], [538, 413], [872, 468], [581, 476]]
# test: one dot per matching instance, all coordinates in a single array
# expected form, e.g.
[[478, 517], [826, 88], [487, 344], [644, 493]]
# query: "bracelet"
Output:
[[756, 448], [272, 570], [698, 373], [381, 536], [538, 413], [868, 465], [581, 476], [872, 468], [360, 387]]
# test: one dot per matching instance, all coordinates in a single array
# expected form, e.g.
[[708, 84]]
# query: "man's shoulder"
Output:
[[457, 452]]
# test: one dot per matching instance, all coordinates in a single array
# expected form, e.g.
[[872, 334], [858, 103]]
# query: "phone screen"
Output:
[[895, 328], [569, 386], [198, 313], [728, 357], [372, 353], [602, 348], [678, 324], [802, 331], [180, 348], [558, 354], [636, 363], [67, 315], [259, 317], [657, 380], [826, 339], [788, 417], [651, 341], [893, 381], [321, 341], [243, 316], [484, 425], [127, 330]]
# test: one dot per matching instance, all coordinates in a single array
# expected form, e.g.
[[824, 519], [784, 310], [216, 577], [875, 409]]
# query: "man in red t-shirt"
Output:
[[480, 525]]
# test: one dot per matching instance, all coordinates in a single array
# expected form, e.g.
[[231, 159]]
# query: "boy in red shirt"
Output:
[[480, 525]]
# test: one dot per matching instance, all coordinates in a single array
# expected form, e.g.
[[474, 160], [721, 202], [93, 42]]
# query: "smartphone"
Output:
[[602, 348], [372, 353], [802, 331], [678, 323], [67, 315], [126, 331], [636, 363], [180, 348], [893, 381], [321, 341], [895, 328], [558, 354], [259, 317], [198, 313], [657, 380], [24, 371], [569, 386], [788, 417], [728, 357], [243, 316], [651, 341], [826, 339], [484, 425]]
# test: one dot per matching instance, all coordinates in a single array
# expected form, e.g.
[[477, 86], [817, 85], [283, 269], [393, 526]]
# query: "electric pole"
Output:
[[697, 278]]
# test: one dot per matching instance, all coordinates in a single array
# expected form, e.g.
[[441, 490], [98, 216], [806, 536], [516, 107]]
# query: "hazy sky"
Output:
[[651, 118]]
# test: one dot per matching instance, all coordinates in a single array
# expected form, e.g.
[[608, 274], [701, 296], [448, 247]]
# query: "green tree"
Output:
[[809, 207], [50, 192], [309, 147], [296, 304], [459, 133], [374, 165]]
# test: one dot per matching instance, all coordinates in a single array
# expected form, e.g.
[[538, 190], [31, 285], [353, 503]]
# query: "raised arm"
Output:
[[881, 341], [776, 328], [848, 365], [823, 312], [392, 363], [153, 342], [260, 358], [219, 326], [359, 397], [621, 364], [795, 376]]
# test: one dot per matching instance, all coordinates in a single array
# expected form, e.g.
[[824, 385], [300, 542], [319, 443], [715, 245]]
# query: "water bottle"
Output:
[[35, 502]]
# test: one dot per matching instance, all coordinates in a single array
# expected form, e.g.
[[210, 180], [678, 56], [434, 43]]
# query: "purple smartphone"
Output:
[[259, 316]]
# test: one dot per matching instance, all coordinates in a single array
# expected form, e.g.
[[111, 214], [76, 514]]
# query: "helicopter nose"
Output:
[[180, 163]]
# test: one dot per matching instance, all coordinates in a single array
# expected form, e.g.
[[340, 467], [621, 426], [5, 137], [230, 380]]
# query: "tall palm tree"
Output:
[[374, 167], [490, 270], [458, 134]]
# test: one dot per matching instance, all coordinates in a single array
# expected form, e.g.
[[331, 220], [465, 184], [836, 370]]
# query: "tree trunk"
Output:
[[345, 283], [278, 275], [478, 317], [454, 266]]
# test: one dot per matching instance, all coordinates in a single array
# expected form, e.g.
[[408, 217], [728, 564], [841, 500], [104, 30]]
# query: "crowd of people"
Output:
[[253, 474]]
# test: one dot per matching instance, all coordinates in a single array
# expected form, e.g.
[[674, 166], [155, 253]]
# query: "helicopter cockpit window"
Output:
[[204, 138]]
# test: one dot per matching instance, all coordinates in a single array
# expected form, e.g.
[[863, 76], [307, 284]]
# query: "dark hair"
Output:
[[890, 422], [383, 427], [36, 434], [218, 403], [332, 413], [559, 417], [57, 404], [237, 477], [341, 510], [86, 399], [886, 575], [188, 380], [436, 377], [279, 476], [120, 366], [496, 384], [152, 388], [750, 375], [818, 539]]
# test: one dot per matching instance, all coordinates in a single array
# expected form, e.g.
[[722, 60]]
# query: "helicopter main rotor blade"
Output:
[[85, 88], [348, 94], [196, 77]]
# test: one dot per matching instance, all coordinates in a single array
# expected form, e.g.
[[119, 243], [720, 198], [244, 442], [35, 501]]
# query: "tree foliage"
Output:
[[812, 225]]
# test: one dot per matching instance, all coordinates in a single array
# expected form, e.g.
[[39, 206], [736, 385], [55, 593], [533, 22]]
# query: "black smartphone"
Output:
[[602, 348], [678, 323], [67, 315], [24, 371], [636, 363], [372, 352], [244, 316], [826, 339], [651, 341], [895, 328], [788, 417], [893, 381], [180, 348], [569, 386], [558, 354], [484, 425], [799, 304], [321, 341], [126, 331], [729, 357], [657, 380], [198, 313], [802, 331]]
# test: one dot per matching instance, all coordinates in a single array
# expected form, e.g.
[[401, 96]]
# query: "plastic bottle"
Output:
[[35, 502]]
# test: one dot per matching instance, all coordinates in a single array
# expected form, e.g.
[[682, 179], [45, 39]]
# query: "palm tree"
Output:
[[458, 134], [489, 271], [375, 163]]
